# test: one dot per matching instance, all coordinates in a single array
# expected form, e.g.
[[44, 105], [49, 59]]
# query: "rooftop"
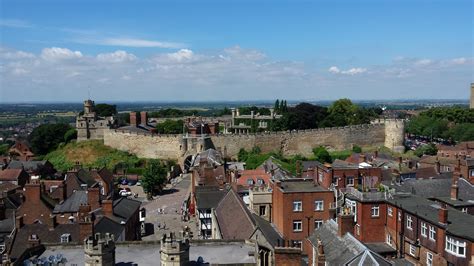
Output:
[[299, 185]]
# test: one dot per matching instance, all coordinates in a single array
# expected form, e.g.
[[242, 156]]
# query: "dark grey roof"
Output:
[[125, 208], [106, 225], [459, 223], [310, 164], [343, 164], [337, 250], [138, 129], [428, 188], [72, 203], [7, 224], [270, 232], [208, 199], [211, 156], [466, 189], [276, 171], [455, 202], [300, 185], [27, 165]]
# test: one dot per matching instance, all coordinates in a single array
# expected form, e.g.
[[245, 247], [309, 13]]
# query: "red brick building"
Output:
[[300, 206]]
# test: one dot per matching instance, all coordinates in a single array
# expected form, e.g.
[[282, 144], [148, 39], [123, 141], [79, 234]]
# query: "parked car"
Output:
[[125, 193]]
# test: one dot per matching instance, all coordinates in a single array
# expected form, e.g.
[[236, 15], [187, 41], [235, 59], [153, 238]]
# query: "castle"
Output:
[[389, 133], [91, 126]]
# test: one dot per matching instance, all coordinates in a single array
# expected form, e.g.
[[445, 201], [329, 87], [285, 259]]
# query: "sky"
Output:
[[235, 50]]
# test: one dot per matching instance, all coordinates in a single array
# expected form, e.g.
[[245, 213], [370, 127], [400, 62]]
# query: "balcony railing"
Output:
[[371, 195]]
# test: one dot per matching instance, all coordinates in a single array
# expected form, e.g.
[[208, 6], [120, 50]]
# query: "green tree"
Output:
[[277, 106], [170, 127], [47, 137], [154, 177], [356, 149], [4, 149], [103, 109], [322, 155], [70, 135], [429, 149]]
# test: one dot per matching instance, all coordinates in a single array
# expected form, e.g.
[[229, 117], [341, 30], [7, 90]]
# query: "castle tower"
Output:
[[472, 96], [395, 135], [174, 251], [88, 107], [99, 250]]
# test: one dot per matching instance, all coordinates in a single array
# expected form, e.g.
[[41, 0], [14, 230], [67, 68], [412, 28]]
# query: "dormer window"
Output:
[[250, 181], [84, 186], [65, 238], [260, 181]]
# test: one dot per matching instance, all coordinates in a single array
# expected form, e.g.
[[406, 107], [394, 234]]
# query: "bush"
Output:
[[70, 135], [322, 155], [356, 149], [429, 149]]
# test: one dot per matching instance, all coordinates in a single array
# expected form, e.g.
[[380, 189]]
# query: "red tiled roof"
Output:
[[245, 175], [10, 174]]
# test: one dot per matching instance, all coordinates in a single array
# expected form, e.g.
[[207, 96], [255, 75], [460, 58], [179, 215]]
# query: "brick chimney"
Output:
[[52, 222], [86, 221], [321, 257], [133, 119], [19, 222], [93, 197], [107, 207], [143, 118], [345, 223], [32, 192], [443, 214], [454, 190]]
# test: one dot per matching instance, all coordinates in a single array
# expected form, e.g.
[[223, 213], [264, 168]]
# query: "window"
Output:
[[297, 206], [409, 222], [412, 250], [260, 181], [471, 173], [357, 229], [429, 259], [390, 211], [296, 243], [455, 247], [318, 205], [317, 223], [424, 229], [262, 210], [334, 180], [399, 216], [320, 177], [350, 181], [65, 238], [464, 210], [389, 239], [375, 211], [297, 226], [432, 233], [249, 181]]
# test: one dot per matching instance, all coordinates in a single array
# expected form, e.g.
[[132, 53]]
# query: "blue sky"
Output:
[[235, 50]]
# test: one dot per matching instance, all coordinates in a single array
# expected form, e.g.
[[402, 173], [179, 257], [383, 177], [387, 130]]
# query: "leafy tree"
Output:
[[429, 149], [103, 109], [154, 176], [277, 106], [4, 149], [356, 149], [47, 137], [170, 127], [322, 155], [70, 135]]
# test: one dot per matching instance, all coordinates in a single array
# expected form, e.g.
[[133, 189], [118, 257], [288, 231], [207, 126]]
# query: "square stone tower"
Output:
[[472, 96]]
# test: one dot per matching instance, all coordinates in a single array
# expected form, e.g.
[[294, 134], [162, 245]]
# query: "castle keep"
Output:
[[91, 126]]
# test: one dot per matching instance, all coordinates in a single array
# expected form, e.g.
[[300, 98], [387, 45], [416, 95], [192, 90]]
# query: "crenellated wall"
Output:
[[389, 133]]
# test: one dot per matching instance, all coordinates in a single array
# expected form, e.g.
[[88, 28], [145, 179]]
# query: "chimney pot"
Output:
[[443, 214]]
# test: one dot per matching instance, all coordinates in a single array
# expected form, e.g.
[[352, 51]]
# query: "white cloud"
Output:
[[334, 69], [132, 42], [10, 54], [423, 62], [181, 55], [459, 61], [56, 53], [116, 57], [352, 71]]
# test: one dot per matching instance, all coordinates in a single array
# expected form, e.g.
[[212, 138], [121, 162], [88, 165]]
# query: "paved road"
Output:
[[169, 203]]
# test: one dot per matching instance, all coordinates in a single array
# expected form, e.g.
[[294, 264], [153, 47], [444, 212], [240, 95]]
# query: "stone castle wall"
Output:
[[389, 133]]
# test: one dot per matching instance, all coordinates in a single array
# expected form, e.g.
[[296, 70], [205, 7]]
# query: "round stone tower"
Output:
[[395, 135], [88, 106]]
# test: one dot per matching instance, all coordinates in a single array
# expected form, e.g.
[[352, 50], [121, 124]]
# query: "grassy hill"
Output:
[[92, 153]]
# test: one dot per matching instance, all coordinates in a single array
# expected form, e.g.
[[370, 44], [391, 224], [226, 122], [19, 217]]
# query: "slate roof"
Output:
[[278, 173], [211, 156], [299, 185], [107, 225], [27, 165], [310, 165], [427, 188], [466, 189], [234, 219], [345, 250], [45, 235], [7, 224], [125, 208], [72, 203], [103, 174], [459, 224], [5, 187], [208, 199], [268, 230]]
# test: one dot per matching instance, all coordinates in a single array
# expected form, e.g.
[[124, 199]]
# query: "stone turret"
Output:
[[89, 107], [174, 249], [99, 250], [395, 135]]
